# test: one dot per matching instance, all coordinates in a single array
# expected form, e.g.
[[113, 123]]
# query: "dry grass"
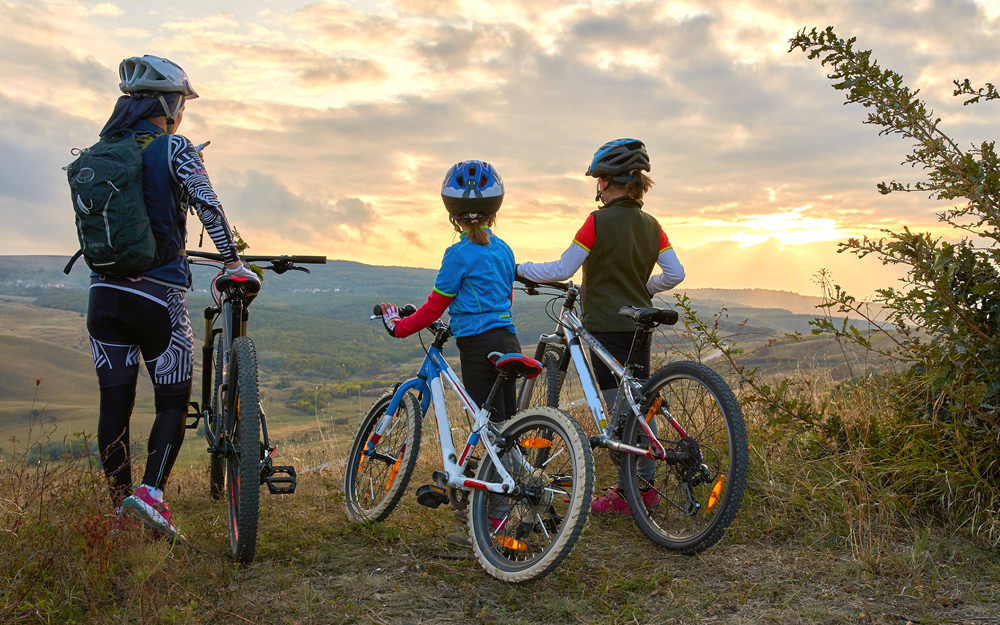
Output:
[[794, 554]]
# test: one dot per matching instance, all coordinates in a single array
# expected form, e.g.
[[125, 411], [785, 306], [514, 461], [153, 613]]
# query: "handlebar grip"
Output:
[[307, 260], [377, 311]]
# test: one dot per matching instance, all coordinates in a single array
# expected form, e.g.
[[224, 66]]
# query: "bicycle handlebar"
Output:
[[531, 285], [303, 260]]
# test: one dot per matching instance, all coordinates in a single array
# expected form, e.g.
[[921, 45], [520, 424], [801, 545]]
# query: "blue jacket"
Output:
[[480, 279]]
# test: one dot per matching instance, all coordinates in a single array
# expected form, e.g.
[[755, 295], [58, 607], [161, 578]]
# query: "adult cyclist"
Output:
[[618, 247], [145, 314]]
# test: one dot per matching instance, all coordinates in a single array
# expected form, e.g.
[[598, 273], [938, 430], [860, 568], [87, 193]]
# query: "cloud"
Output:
[[340, 24], [429, 8], [354, 213], [261, 201], [414, 239], [106, 9]]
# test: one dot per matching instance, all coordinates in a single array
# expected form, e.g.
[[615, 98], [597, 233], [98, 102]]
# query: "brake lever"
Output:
[[280, 266]]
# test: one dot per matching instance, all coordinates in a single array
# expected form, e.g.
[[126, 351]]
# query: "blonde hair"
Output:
[[476, 230]]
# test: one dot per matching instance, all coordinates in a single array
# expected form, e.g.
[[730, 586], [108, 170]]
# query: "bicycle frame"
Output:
[[431, 388], [572, 336]]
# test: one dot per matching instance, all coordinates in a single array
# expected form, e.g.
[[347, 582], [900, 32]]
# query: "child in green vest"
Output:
[[618, 247]]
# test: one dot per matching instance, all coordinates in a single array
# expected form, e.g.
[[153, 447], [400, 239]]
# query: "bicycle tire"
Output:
[[525, 537], [375, 483], [695, 506], [244, 456], [217, 460], [545, 386]]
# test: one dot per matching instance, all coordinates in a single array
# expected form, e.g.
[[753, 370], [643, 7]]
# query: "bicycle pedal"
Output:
[[281, 481], [193, 425], [431, 496]]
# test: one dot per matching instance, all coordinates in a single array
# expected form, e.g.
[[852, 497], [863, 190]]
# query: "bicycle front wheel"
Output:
[[544, 388], [375, 481], [245, 453], [526, 535], [686, 504]]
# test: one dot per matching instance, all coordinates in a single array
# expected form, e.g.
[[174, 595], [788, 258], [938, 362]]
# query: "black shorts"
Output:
[[619, 344], [479, 373], [129, 317]]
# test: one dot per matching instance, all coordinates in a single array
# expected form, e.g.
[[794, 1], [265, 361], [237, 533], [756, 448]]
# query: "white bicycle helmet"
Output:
[[152, 74]]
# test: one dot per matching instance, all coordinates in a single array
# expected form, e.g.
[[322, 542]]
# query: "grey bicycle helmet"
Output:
[[619, 158], [152, 74]]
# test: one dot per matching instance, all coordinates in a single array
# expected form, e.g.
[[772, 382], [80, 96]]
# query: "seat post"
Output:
[[497, 385], [633, 352]]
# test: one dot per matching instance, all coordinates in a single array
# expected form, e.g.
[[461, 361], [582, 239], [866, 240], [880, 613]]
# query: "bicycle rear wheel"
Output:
[[525, 536], [687, 506], [375, 482], [217, 461], [245, 454]]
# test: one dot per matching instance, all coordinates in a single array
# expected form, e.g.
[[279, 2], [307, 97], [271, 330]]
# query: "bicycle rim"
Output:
[[695, 505], [374, 483], [524, 537], [217, 463], [244, 458]]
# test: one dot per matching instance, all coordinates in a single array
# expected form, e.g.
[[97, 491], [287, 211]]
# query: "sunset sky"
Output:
[[333, 123]]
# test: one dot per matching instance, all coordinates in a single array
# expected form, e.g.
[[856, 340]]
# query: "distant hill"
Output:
[[32, 275], [757, 298]]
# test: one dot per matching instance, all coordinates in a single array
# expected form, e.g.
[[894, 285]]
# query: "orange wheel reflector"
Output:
[[535, 443], [653, 409], [713, 497], [511, 543], [395, 470]]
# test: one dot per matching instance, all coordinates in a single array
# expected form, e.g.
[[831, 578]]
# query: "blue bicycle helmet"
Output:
[[618, 159], [472, 189]]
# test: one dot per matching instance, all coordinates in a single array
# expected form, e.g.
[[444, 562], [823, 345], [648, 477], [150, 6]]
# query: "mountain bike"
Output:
[[235, 423], [530, 491], [679, 435]]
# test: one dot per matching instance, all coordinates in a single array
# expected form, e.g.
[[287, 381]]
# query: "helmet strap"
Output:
[[171, 116], [600, 191]]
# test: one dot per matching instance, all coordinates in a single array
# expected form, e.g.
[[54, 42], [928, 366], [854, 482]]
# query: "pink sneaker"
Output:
[[611, 502], [651, 498], [498, 524], [152, 513]]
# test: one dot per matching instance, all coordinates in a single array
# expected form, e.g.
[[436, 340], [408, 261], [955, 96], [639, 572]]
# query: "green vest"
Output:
[[626, 246]]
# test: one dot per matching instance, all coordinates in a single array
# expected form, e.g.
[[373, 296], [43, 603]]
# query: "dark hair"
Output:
[[475, 231], [638, 184]]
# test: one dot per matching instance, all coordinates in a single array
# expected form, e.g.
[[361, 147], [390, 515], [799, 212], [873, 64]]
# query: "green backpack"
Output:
[[111, 219]]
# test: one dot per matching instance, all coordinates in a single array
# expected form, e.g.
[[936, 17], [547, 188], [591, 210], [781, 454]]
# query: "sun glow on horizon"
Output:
[[788, 228]]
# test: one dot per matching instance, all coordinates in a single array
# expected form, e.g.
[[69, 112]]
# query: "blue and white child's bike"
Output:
[[530, 490]]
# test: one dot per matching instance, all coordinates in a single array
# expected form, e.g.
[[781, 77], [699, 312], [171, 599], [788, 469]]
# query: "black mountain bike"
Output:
[[235, 424]]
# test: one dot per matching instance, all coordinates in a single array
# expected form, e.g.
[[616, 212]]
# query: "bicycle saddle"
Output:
[[518, 363], [640, 316], [225, 282]]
